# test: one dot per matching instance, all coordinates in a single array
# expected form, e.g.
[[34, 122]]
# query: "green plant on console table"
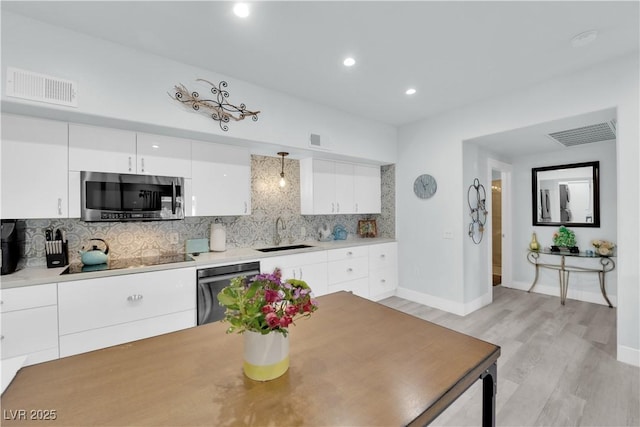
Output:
[[564, 237]]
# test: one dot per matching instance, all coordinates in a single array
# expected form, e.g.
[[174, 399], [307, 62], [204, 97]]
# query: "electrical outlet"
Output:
[[447, 235]]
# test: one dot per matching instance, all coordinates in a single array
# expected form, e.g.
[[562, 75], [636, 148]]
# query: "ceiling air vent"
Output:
[[39, 87], [586, 134], [318, 142]]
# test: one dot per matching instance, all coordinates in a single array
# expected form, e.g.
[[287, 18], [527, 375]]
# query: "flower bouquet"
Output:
[[265, 303], [261, 305], [603, 247]]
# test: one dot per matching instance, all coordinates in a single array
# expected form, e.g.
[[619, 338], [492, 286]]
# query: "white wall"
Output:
[[431, 267], [581, 286], [123, 87]]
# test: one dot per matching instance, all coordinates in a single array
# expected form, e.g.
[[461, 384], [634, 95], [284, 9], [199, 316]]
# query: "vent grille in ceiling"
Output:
[[39, 87], [586, 134]]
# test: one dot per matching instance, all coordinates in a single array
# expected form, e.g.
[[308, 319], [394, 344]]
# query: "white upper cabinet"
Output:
[[328, 187], [163, 155], [367, 189], [221, 180], [34, 168], [98, 149]]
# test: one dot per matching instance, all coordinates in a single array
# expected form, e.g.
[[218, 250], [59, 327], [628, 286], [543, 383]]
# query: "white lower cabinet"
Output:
[[97, 313], [310, 267], [348, 270], [383, 270], [30, 323]]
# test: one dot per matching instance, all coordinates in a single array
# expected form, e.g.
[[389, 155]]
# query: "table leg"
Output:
[[602, 288], [564, 285], [535, 279], [489, 389]]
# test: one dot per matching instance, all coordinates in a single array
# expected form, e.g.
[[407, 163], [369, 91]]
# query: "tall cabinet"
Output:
[[34, 168]]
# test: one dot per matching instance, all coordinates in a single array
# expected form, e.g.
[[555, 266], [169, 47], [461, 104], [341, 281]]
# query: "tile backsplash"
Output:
[[268, 200]]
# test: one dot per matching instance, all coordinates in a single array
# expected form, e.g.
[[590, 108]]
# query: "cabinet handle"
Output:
[[338, 209], [301, 273], [246, 207], [129, 163], [142, 164], [136, 297], [381, 255], [349, 253], [349, 270], [333, 207], [1, 337], [59, 206], [383, 281], [356, 207]]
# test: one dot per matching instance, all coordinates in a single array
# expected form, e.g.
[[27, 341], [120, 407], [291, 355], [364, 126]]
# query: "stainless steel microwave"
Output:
[[125, 197]]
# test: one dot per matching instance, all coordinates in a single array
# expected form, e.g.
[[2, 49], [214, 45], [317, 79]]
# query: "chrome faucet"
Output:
[[277, 238]]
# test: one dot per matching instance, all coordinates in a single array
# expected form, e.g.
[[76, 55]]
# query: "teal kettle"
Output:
[[95, 256]]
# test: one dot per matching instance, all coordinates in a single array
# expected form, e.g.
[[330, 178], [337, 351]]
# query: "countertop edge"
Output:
[[32, 276]]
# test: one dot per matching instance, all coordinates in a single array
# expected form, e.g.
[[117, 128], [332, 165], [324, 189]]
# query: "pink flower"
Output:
[[267, 309], [285, 321], [272, 320], [291, 310], [271, 295]]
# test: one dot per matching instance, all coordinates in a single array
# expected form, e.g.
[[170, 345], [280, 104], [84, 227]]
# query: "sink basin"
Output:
[[283, 248]]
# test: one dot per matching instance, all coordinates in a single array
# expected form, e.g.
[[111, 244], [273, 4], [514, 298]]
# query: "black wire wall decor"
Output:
[[477, 198], [219, 109]]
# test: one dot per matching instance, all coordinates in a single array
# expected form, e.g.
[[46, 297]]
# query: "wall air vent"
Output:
[[586, 134], [39, 87], [318, 142]]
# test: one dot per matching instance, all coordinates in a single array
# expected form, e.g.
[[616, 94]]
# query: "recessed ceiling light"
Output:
[[349, 62], [584, 39], [241, 10], [410, 91]]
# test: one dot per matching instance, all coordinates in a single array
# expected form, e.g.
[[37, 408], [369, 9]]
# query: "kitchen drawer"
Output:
[[382, 283], [348, 253], [30, 331], [359, 287], [348, 269], [28, 297], [95, 303], [383, 256], [267, 265], [94, 339]]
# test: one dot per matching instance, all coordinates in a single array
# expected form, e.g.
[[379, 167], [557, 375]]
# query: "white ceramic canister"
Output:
[[218, 240]]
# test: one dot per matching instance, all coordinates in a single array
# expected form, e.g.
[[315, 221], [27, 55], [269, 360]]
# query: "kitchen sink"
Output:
[[283, 248]]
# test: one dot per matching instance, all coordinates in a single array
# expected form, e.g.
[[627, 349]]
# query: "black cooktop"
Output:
[[119, 264]]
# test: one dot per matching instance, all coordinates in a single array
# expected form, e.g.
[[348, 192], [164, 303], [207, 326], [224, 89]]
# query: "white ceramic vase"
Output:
[[266, 357]]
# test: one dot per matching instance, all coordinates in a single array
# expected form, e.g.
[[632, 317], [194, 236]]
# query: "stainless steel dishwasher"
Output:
[[210, 283]]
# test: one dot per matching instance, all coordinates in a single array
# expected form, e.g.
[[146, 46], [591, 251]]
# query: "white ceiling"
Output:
[[454, 53]]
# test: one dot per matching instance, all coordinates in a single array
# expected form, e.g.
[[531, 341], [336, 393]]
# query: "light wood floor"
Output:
[[557, 367]]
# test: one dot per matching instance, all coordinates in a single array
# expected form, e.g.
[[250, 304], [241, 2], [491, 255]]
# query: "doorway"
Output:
[[499, 255], [496, 225]]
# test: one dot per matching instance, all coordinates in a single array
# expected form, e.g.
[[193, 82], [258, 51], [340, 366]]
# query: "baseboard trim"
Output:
[[460, 309], [628, 355], [554, 290]]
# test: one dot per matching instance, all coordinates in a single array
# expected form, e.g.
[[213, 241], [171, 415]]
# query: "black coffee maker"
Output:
[[12, 233]]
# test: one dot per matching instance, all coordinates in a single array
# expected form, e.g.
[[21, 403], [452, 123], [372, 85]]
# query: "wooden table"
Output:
[[354, 362]]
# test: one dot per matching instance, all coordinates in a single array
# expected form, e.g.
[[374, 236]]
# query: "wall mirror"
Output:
[[566, 195]]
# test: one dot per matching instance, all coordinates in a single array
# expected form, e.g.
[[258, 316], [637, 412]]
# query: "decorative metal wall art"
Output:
[[477, 197], [219, 109]]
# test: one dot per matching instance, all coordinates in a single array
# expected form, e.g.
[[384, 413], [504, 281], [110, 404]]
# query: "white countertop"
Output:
[[40, 275]]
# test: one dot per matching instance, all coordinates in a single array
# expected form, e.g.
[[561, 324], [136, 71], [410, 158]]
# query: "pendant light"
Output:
[[282, 180]]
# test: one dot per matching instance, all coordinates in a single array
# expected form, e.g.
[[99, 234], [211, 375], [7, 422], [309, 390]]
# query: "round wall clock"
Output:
[[425, 186]]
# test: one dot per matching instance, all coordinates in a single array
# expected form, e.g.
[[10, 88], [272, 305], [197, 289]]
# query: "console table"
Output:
[[606, 265]]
